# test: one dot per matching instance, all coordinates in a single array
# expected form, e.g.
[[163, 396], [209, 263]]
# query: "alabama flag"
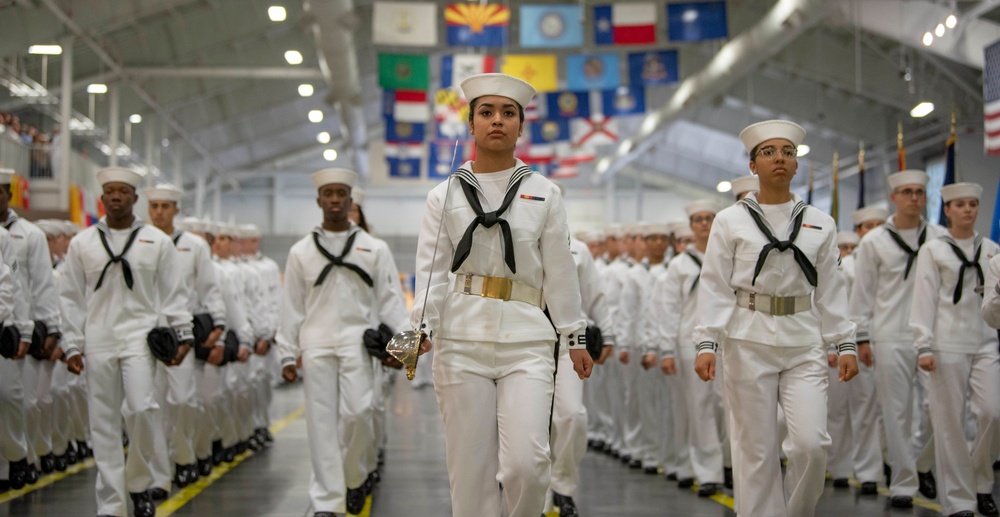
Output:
[[625, 24]]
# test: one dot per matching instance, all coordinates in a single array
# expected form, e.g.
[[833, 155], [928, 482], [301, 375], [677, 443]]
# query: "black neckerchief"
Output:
[[798, 212], [911, 254], [697, 262], [102, 228], [339, 260], [966, 263], [178, 237], [11, 219], [469, 186]]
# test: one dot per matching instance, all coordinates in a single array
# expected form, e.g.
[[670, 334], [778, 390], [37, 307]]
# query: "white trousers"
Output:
[[631, 416], [211, 381], [568, 438], [13, 438], [114, 377], [496, 400], [380, 391], [62, 413], [652, 406], [424, 376], [839, 459], [703, 425], [176, 392], [961, 474], [758, 379], [866, 425], [30, 373], [597, 394], [896, 378], [338, 385], [616, 400]]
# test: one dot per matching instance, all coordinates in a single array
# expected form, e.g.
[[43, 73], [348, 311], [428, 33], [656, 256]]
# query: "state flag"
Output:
[[567, 105], [459, 67], [477, 25], [549, 131], [539, 70], [445, 156], [396, 131], [696, 21], [555, 26], [404, 159], [592, 72], [623, 101], [631, 23], [403, 72], [407, 105], [410, 24], [653, 68]]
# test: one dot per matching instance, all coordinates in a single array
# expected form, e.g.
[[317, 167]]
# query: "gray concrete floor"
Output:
[[415, 480]]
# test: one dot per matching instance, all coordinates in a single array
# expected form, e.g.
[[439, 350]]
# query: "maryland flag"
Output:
[[19, 194]]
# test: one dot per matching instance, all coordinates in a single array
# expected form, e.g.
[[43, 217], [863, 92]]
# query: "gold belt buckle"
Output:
[[782, 305], [497, 287]]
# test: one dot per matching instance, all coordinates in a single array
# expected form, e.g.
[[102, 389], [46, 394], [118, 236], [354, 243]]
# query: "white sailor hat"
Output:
[[335, 175], [498, 84], [191, 224], [683, 231], [634, 228], [119, 175], [743, 184], [677, 226], [6, 176], [755, 134], [869, 214], [655, 229], [50, 227], [70, 228], [358, 195], [960, 190], [702, 205], [249, 231], [908, 177], [164, 192], [614, 231], [847, 238]]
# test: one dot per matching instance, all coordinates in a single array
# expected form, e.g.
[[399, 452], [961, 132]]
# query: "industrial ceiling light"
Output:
[[922, 110], [306, 90], [323, 138], [939, 30], [45, 50], [315, 116], [330, 155], [276, 13], [97, 88], [294, 57], [724, 186], [928, 39], [135, 118], [951, 21], [803, 150]]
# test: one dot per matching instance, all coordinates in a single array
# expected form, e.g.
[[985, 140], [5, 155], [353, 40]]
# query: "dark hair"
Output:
[[753, 152], [362, 222], [472, 109]]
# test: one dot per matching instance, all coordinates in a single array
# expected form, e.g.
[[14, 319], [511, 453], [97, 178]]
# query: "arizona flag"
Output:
[[625, 24], [477, 25]]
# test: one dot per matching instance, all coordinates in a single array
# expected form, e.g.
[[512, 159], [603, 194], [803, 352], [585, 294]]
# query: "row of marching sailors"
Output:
[[156, 325]]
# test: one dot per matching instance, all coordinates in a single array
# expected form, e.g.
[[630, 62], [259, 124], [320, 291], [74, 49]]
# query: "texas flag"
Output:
[[625, 24]]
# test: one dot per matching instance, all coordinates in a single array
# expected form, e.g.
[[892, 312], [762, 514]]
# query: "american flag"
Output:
[[991, 98]]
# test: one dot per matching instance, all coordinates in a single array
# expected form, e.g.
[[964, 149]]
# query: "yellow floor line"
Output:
[[189, 492], [917, 501], [46, 480]]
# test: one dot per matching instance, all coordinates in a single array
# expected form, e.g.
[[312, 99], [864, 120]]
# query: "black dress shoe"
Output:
[[324, 514], [181, 476], [192, 472], [965, 513], [4, 485], [841, 483], [928, 486], [635, 464], [381, 457], [143, 504], [708, 489], [996, 465], [651, 470], [33, 474], [205, 467], [370, 482], [18, 474], [901, 501], [229, 455], [599, 445], [48, 463], [671, 476], [626, 458], [565, 504], [61, 463], [356, 500], [869, 488], [685, 483], [218, 453], [157, 494], [83, 450], [986, 506], [615, 453], [727, 475], [887, 471], [71, 457]]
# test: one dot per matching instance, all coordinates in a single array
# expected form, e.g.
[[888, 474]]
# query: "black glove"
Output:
[[163, 343], [38, 340], [232, 350], [594, 341], [10, 340], [375, 341], [202, 327]]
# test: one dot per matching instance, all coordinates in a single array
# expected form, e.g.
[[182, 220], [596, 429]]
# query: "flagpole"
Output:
[[835, 204], [809, 194], [861, 174]]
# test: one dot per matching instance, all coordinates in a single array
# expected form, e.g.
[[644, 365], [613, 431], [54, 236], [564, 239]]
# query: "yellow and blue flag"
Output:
[[477, 25]]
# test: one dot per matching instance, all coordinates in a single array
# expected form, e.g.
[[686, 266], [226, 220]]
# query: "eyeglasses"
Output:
[[909, 192], [702, 219], [770, 153]]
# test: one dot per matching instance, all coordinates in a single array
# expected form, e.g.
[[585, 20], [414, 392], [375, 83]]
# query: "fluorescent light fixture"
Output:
[[330, 155], [276, 13], [922, 110], [323, 138], [950, 21], [928, 39], [803, 150], [45, 50], [294, 57], [939, 30], [97, 88], [306, 90], [135, 118], [724, 186], [315, 116]]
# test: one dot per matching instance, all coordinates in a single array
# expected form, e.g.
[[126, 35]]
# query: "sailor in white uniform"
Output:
[[959, 351], [757, 296], [506, 240], [339, 282], [880, 307], [745, 185], [132, 267]]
